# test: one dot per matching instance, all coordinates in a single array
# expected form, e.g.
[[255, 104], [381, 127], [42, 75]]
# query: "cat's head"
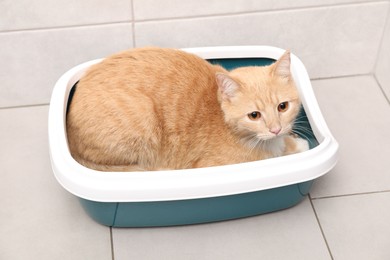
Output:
[[260, 102]]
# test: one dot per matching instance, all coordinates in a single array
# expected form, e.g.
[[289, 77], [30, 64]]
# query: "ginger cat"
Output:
[[154, 109]]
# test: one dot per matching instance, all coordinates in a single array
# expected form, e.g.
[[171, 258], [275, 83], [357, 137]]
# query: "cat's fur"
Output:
[[154, 108]]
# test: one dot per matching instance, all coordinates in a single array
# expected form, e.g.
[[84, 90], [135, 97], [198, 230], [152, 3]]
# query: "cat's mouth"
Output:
[[261, 140], [270, 136]]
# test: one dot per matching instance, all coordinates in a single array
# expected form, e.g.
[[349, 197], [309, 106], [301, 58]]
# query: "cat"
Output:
[[153, 108]]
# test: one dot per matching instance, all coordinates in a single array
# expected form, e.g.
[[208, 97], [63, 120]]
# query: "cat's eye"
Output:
[[283, 106], [255, 115]]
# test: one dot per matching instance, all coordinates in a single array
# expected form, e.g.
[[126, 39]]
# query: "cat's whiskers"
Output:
[[252, 141], [300, 128], [303, 132]]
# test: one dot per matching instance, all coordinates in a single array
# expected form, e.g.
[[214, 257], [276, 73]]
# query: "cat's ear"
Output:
[[226, 85], [281, 68]]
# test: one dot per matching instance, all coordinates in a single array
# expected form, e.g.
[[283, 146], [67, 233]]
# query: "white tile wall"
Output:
[[26, 14], [331, 41], [40, 40], [32, 61], [156, 9], [383, 66]]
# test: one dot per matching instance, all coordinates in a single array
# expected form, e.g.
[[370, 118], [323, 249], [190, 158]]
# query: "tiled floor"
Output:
[[347, 215]]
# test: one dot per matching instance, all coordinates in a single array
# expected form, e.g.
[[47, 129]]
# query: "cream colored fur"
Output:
[[154, 108]]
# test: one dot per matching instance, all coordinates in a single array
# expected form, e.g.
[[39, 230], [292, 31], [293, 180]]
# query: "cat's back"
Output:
[[160, 73], [149, 66], [169, 79], [165, 96]]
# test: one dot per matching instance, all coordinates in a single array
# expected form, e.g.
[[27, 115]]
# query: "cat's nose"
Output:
[[275, 130]]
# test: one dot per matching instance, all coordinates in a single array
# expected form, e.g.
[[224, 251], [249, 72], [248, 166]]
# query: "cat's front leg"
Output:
[[295, 144]]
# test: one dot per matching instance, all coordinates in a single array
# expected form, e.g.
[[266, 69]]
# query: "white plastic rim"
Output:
[[191, 183]]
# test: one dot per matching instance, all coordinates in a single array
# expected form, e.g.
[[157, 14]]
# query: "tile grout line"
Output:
[[25, 106], [112, 244], [350, 195], [227, 14], [133, 22], [342, 76], [64, 27], [381, 44], [381, 89], [319, 225]]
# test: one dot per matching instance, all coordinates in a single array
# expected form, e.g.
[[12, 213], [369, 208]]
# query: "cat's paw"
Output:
[[295, 144], [301, 144]]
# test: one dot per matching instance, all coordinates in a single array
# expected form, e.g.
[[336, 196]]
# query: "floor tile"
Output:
[[32, 61], [356, 227], [293, 233], [358, 115], [350, 48], [38, 218], [23, 14]]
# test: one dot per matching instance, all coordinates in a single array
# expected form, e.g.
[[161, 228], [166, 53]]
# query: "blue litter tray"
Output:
[[190, 196]]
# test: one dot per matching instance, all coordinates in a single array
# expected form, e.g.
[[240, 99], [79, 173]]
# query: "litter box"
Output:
[[190, 196]]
